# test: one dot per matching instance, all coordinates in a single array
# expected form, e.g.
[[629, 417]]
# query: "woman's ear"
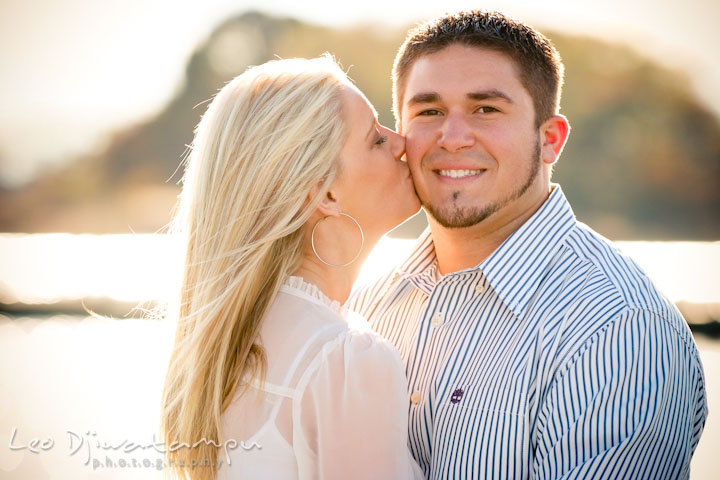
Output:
[[329, 205]]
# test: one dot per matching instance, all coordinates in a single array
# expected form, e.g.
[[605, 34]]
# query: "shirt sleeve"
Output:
[[354, 411], [629, 404]]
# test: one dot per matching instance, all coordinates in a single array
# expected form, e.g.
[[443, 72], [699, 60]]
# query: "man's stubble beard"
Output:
[[455, 217]]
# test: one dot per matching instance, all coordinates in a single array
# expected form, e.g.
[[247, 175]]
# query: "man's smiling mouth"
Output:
[[458, 173]]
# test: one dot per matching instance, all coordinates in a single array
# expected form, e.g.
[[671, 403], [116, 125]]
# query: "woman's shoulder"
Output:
[[354, 352], [323, 336], [352, 337], [323, 321], [359, 338], [304, 300]]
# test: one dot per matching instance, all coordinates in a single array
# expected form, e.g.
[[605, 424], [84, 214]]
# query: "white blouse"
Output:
[[334, 403]]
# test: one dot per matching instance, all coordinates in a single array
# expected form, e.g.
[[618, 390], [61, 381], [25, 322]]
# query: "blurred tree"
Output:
[[642, 162], [643, 158]]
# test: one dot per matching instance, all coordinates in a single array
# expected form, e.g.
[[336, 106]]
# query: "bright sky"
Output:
[[72, 70]]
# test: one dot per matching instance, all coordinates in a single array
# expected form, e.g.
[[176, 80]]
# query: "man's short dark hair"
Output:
[[539, 64]]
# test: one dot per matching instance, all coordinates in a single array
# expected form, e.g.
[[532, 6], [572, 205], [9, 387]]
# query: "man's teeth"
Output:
[[458, 173]]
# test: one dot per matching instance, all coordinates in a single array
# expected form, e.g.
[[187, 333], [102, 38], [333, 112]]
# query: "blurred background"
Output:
[[99, 103]]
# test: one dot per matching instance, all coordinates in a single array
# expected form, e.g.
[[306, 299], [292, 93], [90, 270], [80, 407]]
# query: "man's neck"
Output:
[[461, 248]]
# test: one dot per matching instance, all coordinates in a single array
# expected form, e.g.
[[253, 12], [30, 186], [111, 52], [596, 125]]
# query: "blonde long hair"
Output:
[[268, 137]]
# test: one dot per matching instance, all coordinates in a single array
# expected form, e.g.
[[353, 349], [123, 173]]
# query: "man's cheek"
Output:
[[415, 146], [412, 154], [414, 160]]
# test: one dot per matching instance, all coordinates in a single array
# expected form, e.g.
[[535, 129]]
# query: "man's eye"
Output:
[[429, 112], [487, 109]]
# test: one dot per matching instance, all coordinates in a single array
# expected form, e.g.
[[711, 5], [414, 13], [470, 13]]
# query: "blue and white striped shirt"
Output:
[[556, 357]]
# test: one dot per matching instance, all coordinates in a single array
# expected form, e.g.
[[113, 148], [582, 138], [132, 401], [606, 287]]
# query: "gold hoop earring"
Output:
[[362, 242]]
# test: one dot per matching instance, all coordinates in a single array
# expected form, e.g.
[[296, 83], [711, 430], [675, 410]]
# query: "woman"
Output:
[[290, 182]]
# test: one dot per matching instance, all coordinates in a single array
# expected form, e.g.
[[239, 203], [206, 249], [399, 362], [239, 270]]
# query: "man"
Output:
[[533, 348]]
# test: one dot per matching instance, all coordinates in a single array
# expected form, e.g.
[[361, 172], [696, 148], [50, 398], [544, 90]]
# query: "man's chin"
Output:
[[458, 217]]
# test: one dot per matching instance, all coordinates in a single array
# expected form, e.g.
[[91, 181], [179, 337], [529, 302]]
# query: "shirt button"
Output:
[[479, 288], [437, 320], [415, 398]]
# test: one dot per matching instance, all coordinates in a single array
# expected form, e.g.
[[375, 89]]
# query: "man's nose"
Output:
[[456, 133]]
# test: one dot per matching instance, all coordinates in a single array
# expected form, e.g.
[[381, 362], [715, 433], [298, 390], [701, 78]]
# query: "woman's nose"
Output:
[[397, 144]]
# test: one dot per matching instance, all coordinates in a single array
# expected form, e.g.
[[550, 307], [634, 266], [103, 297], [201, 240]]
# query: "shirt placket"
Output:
[[422, 379]]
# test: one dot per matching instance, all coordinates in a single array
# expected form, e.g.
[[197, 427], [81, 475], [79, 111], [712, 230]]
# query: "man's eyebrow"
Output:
[[432, 97], [489, 95], [428, 97]]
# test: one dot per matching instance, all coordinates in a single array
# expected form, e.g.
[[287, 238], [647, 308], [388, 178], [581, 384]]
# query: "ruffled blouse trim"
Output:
[[297, 285]]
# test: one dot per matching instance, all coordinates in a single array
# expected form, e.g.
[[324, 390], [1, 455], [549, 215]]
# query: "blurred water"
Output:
[[80, 378], [83, 379], [46, 268]]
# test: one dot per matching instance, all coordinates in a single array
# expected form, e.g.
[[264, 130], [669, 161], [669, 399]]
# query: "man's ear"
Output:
[[554, 133], [329, 205]]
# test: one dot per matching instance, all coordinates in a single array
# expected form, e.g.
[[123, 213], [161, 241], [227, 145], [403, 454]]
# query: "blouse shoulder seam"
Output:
[[329, 346]]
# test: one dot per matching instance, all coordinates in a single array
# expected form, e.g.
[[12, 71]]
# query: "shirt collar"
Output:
[[516, 268], [418, 268]]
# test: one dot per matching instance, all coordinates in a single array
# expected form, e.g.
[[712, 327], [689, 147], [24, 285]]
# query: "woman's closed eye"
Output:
[[382, 139]]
